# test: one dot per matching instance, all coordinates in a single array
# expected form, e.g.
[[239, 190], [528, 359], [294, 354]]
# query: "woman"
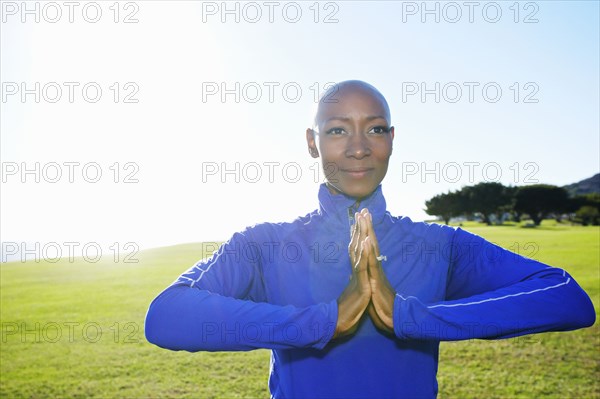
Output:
[[352, 300]]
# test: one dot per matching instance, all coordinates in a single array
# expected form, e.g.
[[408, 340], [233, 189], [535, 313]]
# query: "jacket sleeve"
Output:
[[494, 293], [219, 304]]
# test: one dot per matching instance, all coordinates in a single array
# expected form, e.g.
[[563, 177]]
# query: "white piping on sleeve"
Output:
[[497, 298], [202, 271]]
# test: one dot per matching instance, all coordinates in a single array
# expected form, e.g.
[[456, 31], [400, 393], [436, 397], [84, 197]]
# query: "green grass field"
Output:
[[76, 330]]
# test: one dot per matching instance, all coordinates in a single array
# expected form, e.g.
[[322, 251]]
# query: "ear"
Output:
[[392, 133], [312, 145]]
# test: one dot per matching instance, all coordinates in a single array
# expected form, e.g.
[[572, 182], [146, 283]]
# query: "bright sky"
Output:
[[164, 105]]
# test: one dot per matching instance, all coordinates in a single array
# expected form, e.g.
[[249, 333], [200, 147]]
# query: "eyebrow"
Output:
[[346, 119]]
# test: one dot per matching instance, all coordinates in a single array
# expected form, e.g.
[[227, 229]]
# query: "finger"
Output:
[[359, 237], [363, 257], [353, 238], [360, 221], [372, 262], [371, 233], [366, 214], [367, 250], [363, 226]]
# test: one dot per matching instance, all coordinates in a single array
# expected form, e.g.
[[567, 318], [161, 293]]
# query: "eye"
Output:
[[380, 130], [335, 131]]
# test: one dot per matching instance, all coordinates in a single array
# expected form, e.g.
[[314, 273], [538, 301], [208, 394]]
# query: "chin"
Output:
[[357, 190]]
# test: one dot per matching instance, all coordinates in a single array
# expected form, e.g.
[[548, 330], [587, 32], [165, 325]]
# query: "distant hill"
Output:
[[586, 186]]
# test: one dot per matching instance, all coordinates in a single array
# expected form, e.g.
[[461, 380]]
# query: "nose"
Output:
[[357, 146]]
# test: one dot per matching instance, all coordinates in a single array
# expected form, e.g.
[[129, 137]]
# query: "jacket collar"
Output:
[[335, 207]]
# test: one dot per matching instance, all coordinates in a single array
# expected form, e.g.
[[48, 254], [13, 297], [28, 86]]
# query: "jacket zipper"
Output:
[[351, 221]]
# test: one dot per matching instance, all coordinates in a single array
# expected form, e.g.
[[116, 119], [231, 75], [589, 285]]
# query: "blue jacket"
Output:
[[275, 285]]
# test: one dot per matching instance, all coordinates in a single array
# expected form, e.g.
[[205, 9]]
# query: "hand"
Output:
[[369, 287], [381, 306], [355, 298]]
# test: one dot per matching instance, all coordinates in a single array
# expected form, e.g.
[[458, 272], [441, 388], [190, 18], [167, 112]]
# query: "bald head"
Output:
[[353, 136], [347, 91]]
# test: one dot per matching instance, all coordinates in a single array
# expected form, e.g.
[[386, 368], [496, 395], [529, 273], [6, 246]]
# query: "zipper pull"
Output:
[[351, 212], [351, 221]]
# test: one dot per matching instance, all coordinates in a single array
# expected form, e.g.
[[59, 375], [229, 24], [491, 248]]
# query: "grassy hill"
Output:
[[585, 186], [76, 330]]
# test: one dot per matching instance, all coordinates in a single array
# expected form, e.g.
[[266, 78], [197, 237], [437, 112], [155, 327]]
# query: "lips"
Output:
[[357, 172]]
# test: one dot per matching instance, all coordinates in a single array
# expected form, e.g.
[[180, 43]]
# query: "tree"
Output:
[[587, 209], [509, 207], [487, 198], [445, 206], [539, 200], [588, 215]]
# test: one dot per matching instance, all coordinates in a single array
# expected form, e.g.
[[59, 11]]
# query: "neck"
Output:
[[333, 190]]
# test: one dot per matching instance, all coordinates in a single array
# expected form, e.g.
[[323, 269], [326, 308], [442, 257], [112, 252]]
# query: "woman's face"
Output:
[[354, 140]]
